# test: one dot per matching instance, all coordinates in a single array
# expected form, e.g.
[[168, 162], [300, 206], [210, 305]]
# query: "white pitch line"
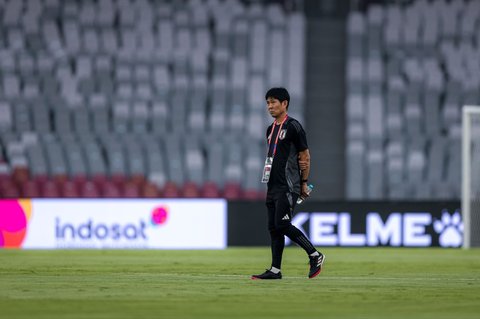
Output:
[[324, 277], [248, 276]]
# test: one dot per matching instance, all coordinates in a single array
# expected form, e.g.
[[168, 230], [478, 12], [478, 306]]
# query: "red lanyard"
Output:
[[278, 134]]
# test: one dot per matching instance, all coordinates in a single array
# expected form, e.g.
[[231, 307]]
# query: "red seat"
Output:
[[8, 189], [232, 191], [60, 179], [49, 189], [110, 190], [99, 180], [118, 179], [79, 180], [171, 190], [150, 191], [190, 190], [69, 189], [131, 190], [30, 189], [5, 178], [250, 194], [138, 180], [89, 190], [210, 190], [40, 180]]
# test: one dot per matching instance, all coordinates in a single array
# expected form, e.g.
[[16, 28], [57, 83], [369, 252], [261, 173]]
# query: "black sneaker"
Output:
[[268, 275], [316, 263]]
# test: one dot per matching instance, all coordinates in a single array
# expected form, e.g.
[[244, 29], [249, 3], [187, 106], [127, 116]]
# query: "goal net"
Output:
[[471, 176]]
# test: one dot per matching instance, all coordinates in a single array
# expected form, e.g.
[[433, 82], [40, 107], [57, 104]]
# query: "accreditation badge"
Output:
[[267, 169]]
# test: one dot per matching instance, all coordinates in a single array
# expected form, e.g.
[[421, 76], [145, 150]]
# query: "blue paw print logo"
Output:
[[450, 229]]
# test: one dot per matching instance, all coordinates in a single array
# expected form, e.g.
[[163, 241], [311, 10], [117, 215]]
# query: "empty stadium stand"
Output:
[[141, 98], [411, 66]]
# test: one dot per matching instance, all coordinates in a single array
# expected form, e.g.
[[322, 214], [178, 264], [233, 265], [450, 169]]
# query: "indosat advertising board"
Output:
[[110, 224]]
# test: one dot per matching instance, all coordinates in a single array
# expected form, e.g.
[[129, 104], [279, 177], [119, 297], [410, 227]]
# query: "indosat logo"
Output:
[[91, 230], [14, 218], [159, 216]]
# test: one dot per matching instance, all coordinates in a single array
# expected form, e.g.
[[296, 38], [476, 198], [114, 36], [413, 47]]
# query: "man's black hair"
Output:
[[280, 94]]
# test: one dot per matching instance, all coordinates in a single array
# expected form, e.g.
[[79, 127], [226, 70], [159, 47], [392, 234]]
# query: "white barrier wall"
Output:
[[123, 224]]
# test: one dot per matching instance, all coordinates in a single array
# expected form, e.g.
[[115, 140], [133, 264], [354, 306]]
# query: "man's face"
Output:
[[275, 107]]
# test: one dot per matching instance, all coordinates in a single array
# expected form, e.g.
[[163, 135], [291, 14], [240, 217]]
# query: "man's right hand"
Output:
[[303, 164]]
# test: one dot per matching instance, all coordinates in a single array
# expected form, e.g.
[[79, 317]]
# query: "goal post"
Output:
[[471, 175]]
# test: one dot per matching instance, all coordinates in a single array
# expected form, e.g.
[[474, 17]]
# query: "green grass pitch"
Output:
[[355, 283]]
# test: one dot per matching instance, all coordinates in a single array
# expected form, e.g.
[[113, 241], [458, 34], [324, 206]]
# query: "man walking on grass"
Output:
[[286, 171]]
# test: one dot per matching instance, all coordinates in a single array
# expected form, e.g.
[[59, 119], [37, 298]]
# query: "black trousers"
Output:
[[280, 206]]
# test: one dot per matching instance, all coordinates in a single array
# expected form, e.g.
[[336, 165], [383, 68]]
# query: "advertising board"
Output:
[[356, 224], [122, 224]]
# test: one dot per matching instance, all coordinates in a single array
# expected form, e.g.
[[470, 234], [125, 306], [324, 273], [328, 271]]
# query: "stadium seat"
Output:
[[69, 189], [232, 191], [49, 189], [110, 190], [89, 190], [375, 171], [355, 169], [210, 190], [131, 190], [253, 194], [9, 190], [150, 191], [215, 165], [190, 190], [171, 190], [29, 189]]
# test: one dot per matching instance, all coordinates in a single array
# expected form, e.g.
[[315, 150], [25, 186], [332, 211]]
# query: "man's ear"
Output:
[[285, 103]]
